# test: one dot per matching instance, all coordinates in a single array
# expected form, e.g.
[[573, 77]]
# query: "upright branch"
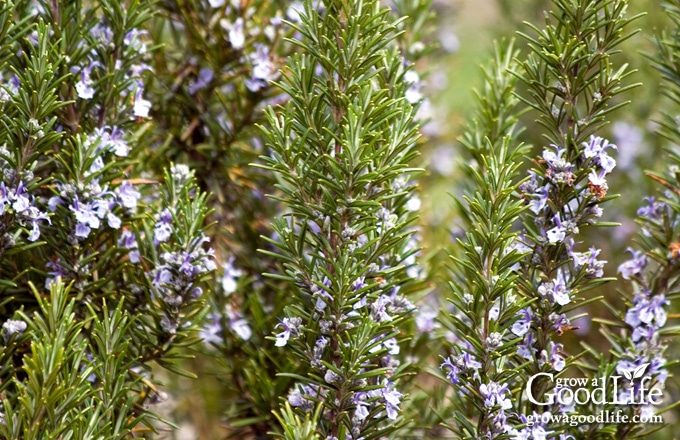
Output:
[[341, 150], [484, 297], [572, 84]]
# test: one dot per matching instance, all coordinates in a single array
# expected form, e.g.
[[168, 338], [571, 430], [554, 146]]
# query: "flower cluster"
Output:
[[88, 284], [569, 209], [646, 315], [91, 201], [173, 279], [17, 204], [372, 401], [485, 308], [291, 327], [304, 396], [563, 195], [463, 364], [496, 399], [97, 65], [234, 321]]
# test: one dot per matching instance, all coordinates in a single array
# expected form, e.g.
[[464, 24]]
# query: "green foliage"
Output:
[[569, 73], [341, 150], [64, 392], [484, 293], [72, 93], [294, 428]]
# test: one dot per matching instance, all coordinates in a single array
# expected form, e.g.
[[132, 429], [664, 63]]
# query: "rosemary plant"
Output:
[[341, 150], [228, 191], [485, 299], [101, 271]]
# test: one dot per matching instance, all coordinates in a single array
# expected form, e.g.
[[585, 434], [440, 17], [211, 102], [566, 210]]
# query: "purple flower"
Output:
[[127, 195], [560, 322], [494, 311], [537, 204], [82, 230], [648, 333], [595, 149], [34, 235], [97, 165], [230, 277], [558, 233], [598, 179], [647, 310], [657, 368], [162, 277], [557, 289], [205, 77], [526, 350], [291, 327], [358, 284], [141, 106], [556, 358], [84, 86], [4, 197], [559, 170], [534, 432], [113, 141], [237, 36], [390, 397], [323, 298], [241, 328], [413, 94], [13, 84], [460, 364], [301, 396], [331, 377], [425, 319], [162, 229], [523, 324], [494, 394], [594, 267], [212, 330], [12, 327], [21, 200], [264, 70], [113, 221], [634, 266], [86, 218], [128, 240], [361, 411], [554, 159], [132, 39], [453, 370], [379, 309], [654, 211], [31, 217]]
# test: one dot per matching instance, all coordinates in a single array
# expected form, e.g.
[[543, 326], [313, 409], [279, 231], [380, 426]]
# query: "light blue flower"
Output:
[[494, 394]]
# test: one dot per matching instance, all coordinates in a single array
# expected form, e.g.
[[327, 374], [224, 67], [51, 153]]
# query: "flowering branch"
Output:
[[484, 299], [341, 150], [571, 83]]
